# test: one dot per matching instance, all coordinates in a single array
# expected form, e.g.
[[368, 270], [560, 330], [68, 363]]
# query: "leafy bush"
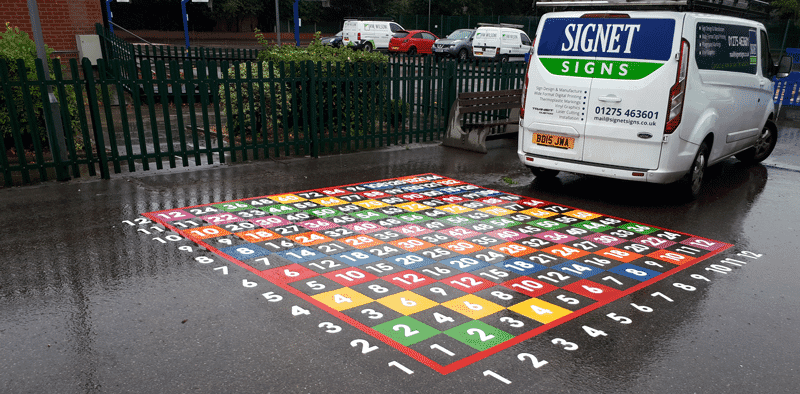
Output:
[[345, 64], [15, 44], [277, 90], [315, 52]]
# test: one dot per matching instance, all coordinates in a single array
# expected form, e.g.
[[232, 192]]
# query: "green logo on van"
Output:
[[606, 69]]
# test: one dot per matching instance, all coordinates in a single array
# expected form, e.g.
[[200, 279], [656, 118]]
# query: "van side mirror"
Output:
[[784, 67]]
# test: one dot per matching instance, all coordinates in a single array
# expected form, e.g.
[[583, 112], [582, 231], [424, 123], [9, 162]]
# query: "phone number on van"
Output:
[[631, 113]]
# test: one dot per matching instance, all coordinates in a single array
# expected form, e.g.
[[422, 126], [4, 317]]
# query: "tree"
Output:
[[238, 10], [787, 7]]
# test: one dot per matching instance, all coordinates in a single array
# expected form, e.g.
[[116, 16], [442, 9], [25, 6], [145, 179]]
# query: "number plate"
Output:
[[479, 53], [554, 141]]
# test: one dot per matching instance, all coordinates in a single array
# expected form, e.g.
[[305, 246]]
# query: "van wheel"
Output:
[[504, 59], [763, 147], [544, 172], [412, 51], [462, 55], [692, 182], [368, 47]]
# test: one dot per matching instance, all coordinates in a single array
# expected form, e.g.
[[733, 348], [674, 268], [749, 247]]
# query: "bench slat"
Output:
[[495, 93], [486, 108]]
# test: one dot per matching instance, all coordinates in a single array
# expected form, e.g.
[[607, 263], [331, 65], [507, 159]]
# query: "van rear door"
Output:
[[555, 104], [602, 81], [632, 74]]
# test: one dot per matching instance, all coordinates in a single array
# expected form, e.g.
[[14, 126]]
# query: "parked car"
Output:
[[368, 35], [335, 41], [648, 96], [412, 42], [458, 44]]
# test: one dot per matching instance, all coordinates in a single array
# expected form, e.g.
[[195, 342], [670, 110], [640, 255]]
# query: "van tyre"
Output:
[[544, 172], [368, 47], [765, 144], [692, 182]]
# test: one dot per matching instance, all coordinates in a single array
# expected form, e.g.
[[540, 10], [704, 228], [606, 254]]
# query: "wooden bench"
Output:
[[472, 136]]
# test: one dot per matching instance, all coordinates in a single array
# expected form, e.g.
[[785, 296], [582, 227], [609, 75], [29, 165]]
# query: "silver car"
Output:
[[458, 44]]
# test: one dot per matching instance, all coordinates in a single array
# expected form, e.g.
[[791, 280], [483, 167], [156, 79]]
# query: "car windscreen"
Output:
[[460, 35], [400, 34]]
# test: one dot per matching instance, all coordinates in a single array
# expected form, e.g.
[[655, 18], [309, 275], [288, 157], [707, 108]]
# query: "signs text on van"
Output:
[[589, 47]]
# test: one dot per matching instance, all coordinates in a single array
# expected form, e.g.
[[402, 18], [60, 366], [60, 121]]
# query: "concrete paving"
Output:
[[90, 303]]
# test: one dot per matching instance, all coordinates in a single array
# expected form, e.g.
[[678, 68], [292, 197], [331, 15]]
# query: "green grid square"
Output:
[[233, 206], [325, 212], [478, 335], [547, 224], [593, 226], [455, 220], [501, 222], [638, 228], [406, 330], [368, 215], [280, 209], [413, 217]]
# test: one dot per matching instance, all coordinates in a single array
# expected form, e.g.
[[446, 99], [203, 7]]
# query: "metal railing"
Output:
[[140, 115]]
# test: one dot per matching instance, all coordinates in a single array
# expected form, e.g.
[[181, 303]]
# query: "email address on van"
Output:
[[632, 122]]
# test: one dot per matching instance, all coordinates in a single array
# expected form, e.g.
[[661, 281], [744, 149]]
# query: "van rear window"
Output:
[[727, 48]]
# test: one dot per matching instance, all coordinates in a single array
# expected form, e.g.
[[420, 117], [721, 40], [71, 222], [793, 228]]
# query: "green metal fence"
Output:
[[126, 116], [116, 48]]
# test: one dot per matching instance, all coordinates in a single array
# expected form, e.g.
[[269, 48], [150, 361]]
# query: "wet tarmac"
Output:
[[91, 303]]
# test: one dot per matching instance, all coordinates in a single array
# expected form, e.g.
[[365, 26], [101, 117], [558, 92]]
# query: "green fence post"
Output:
[[311, 124], [15, 128], [94, 112]]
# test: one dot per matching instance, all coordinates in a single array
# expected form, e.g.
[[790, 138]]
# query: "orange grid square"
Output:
[[513, 249], [287, 198], [361, 241], [257, 235], [463, 247], [206, 232], [309, 238], [412, 244]]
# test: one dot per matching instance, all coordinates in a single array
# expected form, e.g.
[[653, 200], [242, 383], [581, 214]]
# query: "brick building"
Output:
[[61, 21]]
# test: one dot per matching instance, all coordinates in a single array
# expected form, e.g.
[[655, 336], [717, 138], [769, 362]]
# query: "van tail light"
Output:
[[525, 91], [359, 36], [677, 93], [497, 51]]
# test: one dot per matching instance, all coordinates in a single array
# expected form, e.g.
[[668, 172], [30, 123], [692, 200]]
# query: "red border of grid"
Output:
[[444, 370]]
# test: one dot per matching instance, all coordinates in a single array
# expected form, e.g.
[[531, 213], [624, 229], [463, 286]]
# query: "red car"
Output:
[[412, 42]]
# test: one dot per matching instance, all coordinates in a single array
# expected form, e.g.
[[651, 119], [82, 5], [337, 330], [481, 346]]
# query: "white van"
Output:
[[368, 35], [647, 96], [500, 42]]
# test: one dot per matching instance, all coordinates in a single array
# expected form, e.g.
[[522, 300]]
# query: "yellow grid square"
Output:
[[578, 214], [371, 204], [329, 201], [412, 206], [338, 299], [407, 302], [286, 198], [454, 209], [497, 211], [539, 213], [473, 306], [541, 311]]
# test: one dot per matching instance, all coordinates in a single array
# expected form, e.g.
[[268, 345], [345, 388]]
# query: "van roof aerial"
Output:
[[501, 25], [740, 8]]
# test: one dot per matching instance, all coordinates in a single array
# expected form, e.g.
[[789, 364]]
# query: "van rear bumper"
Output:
[[626, 173]]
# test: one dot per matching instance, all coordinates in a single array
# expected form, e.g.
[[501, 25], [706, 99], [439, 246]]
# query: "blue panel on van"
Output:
[[647, 39]]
